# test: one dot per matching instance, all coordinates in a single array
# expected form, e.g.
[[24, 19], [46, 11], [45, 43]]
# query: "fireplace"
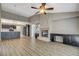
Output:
[[44, 33]]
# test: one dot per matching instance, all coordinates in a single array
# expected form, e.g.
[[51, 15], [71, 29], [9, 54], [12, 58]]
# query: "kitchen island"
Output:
[[10, 35]]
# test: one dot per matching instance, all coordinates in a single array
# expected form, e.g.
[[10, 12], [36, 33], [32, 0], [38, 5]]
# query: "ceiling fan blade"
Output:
[[37, 12], [43, 4], [49, 8], [45, 13], [34, 7]]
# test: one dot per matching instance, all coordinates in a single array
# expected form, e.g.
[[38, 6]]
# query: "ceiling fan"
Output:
[[42, 9]]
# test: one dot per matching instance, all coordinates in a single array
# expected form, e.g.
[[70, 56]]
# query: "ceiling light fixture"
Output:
[[42, 9]]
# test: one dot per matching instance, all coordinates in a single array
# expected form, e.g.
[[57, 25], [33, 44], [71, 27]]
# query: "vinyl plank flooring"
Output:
[[29, 47]]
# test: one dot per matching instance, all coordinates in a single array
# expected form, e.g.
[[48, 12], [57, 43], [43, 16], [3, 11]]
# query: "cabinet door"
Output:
[[8, 35], [75, 40], [67, 39], [3, 35]]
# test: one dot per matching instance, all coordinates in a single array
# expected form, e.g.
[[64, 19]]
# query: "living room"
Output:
[[26, 32]]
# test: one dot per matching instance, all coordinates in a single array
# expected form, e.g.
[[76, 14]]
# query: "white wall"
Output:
[[66, 23], [65, 26], [0, 21], [33, 27], [20, 29], [40, 19], [59, 16], [45, 20]]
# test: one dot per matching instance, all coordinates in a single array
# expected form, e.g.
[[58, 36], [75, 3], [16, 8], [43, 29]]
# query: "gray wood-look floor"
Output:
[[32, 47]]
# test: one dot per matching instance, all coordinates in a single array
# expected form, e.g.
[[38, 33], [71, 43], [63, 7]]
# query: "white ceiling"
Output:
[[24, 9]]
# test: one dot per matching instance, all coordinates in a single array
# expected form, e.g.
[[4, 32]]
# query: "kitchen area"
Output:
[[12, 29]]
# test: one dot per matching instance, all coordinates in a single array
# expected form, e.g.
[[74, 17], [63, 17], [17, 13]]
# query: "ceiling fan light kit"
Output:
[[42, 9]]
